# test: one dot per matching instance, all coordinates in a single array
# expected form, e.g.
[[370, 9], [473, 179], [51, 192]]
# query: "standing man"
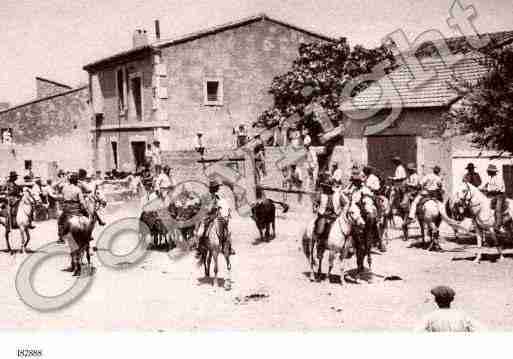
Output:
[[400, 172], [163, 183], [241, 136], [148, 155], [199, 146], [472, 176], [445, 319], [494, 187], [312, 165], [259, 151], [156, 153]]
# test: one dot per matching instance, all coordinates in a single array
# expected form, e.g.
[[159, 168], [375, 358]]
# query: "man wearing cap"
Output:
[[431, 184], [445, 319], [216, 204], [494, 187], [472, 176]]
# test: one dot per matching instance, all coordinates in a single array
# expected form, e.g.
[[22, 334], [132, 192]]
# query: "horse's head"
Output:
[[463, 198], [354, 215]]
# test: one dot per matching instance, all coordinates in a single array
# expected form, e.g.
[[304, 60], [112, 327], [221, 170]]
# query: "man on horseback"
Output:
[[73, 205], [327, 211], [13, 193], [494, 187], [400, 173], [472, 176], [371, 180], [216, 204], [88, 188], [431, 185], [163, 182]]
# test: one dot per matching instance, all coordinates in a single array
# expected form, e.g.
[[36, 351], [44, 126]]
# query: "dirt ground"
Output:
[[270, 289]]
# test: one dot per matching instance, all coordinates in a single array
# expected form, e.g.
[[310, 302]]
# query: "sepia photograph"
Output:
[[254, 166]]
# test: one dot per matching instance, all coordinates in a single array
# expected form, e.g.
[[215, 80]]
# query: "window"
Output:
[[213, 91], [115, 153], [121, 90], [136, 91], [6, 138], [28, 164]]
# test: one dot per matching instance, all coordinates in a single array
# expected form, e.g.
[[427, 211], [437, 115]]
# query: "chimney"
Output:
[[140, 38], [157, 30], [4, 106]]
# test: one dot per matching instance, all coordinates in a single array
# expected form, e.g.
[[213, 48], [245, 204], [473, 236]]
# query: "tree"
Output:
[[318, 76], [486, 110]]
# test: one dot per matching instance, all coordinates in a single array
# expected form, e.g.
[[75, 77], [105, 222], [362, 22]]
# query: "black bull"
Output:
[[264, 215]]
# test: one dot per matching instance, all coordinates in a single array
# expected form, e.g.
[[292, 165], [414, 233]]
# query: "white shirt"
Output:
[[413, 180], [312, 157], [163, 181], [338, 174], [494, 184], [400, 173], [372, 182], [431, 182], [199, 142], [156, 155], [307, 140]]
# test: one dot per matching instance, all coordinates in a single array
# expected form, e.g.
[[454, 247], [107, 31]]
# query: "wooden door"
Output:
[[381, 150]]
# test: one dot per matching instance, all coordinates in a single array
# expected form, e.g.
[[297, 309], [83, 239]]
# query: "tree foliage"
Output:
[[319, 76], [486, 108]]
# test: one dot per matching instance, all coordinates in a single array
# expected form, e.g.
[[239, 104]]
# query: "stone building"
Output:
[[406, 121], [209, 81], [50, 131]]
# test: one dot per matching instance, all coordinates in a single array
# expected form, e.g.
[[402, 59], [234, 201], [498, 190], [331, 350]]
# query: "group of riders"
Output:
[[70, 191], [412, 188]]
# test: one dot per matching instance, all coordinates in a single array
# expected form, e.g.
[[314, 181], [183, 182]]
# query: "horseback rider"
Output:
[[431, 185], [216, 203], [73, 205], [472, 176], [371, 180], [13, 193], [88, 188], [327, 211], [163, 182], [494, 187]]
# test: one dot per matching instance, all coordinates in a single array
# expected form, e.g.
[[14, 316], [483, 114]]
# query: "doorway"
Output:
[[139, 153]]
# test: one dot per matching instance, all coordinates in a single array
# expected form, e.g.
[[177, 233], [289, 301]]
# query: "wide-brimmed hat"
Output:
[[470, 166], [491, 168], [13, 174], [396, 159], [411, 166], [213, 183], [437, 168]]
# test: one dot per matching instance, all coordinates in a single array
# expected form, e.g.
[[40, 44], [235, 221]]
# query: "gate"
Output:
[[381, 150]]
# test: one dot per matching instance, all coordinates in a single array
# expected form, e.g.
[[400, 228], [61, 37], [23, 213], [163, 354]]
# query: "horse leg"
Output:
[[27, 238], [22, 237], [331, 259], [78, 266], [497, 243], [312, 260], [479, 237], [228, 280], [216, 269], [273, 224], [405, 230], [9, 249], [320, 255]]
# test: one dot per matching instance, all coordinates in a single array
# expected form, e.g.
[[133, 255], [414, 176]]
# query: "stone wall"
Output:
[[46, 88], [246, 59], [54, 129]]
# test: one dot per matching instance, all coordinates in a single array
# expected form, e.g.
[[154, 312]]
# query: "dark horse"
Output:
[[264, 215]]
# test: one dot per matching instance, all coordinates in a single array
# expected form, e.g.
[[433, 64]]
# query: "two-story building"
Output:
[[209, 81]]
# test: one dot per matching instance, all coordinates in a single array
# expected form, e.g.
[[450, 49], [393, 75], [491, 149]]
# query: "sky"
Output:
[[54, 39]]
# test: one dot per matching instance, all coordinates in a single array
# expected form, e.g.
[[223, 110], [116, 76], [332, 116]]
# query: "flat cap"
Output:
[[443, 292]]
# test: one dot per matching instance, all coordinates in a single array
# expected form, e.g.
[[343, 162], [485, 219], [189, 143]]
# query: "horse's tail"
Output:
[[451, 222], [306, 244], [284, 206]]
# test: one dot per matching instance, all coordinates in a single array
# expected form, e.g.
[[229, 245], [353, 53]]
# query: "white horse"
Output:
[[338, 240], [470, 198], [24, 214]]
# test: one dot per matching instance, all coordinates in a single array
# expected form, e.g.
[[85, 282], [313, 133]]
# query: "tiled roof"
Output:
[[461, 44], [393, 90]]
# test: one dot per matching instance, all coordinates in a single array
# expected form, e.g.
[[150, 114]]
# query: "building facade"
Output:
[[50, 132], [210, 82]]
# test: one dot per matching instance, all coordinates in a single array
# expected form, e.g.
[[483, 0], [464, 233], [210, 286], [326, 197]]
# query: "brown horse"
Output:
[[217, 241], [80, 232]]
